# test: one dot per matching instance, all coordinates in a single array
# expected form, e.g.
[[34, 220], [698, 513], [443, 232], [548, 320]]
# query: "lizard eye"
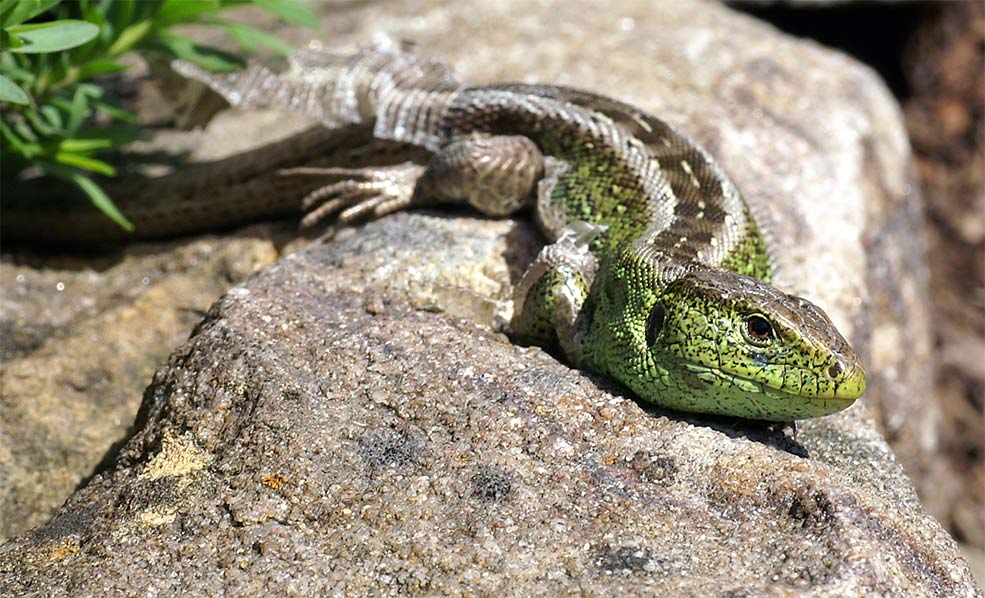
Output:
[[654, 323], [759, 329]]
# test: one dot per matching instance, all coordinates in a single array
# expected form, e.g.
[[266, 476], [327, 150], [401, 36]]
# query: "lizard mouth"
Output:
[[847, 391], [847, 388], [701, 389]]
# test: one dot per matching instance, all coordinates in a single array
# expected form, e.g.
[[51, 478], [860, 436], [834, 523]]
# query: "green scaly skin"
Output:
[[703, 359]]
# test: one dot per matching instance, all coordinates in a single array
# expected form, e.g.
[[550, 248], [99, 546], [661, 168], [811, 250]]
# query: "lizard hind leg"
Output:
[[497, 175], [548, 301]]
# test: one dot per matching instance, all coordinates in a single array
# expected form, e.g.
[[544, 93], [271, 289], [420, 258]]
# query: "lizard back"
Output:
[[662, 197]]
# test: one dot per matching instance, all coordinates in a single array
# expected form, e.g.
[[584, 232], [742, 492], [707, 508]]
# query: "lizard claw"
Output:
[[363, 193]]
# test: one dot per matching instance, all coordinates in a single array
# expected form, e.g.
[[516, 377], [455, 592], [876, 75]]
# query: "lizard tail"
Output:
[[386, 81]]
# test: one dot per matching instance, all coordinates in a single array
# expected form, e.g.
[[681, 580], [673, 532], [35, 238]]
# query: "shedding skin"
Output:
[[657, 274]]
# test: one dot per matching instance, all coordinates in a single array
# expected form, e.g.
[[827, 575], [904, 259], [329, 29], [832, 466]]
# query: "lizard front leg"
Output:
[[549, 300], [496, 174]]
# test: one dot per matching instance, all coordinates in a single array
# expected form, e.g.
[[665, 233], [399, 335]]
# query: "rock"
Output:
[[318, 435], [85, 337], [326, 430]]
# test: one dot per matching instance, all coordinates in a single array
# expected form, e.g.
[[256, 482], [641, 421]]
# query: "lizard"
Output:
[[656, 273]]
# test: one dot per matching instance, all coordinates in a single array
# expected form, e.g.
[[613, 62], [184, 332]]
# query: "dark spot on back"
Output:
[[71, 523]]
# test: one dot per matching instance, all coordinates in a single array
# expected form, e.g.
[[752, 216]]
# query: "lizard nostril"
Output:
[[835, 369]]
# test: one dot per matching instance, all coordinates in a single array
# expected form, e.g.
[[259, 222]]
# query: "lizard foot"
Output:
[[362, 193], [548, 300]]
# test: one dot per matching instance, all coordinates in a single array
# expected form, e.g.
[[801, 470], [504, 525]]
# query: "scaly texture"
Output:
[[658, 275]]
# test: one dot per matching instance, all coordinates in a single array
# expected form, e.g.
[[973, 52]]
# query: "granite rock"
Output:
[[320, 435], [81, 338]]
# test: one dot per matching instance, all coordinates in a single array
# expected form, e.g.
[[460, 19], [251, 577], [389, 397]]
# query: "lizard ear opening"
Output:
[[654, 323]]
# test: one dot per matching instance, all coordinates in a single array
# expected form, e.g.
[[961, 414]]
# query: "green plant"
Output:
[[55, 118]]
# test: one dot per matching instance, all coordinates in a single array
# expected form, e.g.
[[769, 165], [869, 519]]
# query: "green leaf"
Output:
[[42, 38], [53, 118], [11, 92], [102, 201], [206, 57], [292, 11], [181, 11], [96, 194], [79, 111], [61, 103], [81, 146], [119, 15], [95, 12], [84, 162], [99, 67], [24, 147], [249, 38], [124, 12], [15, 12], [115, 112], [39, 123], [130, 37], [8, 41], [92, 90], [26, 132], [16, 73]]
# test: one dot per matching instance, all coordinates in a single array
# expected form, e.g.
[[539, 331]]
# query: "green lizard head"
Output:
[[718, 342]]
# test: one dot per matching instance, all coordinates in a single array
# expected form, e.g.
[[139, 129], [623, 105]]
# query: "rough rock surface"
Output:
[[317, 433], [82, 333], [307, 440], [80, 339]]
